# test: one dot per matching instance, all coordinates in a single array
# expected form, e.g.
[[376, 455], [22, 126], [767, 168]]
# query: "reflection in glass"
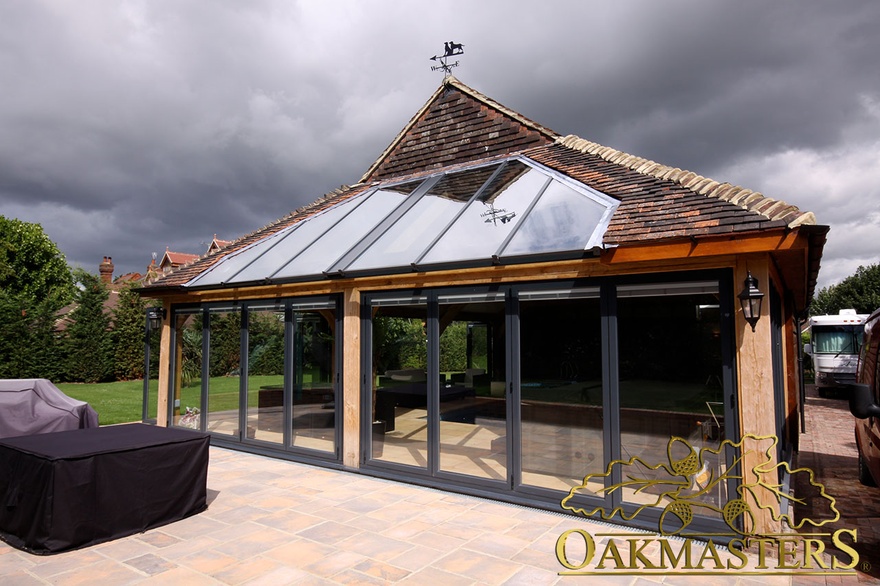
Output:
[[314, 384], [187, 384], [403, 242], [224, 359], [487, 221], [404, 188], [671, 386], [561, 390], [265, 376], [562, 220], [473, 388], [400, 385], [152, 400]]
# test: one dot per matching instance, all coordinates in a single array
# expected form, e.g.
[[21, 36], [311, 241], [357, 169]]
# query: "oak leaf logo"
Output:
[[687, 481]]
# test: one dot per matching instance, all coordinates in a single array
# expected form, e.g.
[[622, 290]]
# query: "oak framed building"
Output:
[[496, 309]]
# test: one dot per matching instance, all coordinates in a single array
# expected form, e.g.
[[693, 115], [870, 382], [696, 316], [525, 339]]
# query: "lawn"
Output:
[[119, 402], [122, 402]]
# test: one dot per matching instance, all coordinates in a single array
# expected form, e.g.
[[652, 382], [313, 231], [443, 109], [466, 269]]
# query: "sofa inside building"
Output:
[[498, 309]]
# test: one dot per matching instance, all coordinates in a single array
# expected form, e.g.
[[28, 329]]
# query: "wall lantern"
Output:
[[750, 299], [155, 315]]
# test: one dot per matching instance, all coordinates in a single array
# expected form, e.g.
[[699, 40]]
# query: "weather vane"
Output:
[[495, 215], [450, 49]]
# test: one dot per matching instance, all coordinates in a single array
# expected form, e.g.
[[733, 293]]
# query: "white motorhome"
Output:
[[835, 342]]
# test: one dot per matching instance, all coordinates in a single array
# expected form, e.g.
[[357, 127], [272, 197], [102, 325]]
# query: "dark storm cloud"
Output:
[[130, 126]]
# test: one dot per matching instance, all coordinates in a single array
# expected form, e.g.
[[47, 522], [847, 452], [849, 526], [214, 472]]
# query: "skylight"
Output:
[[487, 214]]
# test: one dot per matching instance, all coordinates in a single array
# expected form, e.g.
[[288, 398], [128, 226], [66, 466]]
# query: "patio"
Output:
[[273, 522]]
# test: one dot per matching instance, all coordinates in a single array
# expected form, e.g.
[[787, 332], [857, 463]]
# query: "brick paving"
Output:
[[828, 448]]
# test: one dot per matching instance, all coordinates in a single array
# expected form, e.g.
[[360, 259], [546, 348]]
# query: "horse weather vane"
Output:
[[451, 49], [495, 215]]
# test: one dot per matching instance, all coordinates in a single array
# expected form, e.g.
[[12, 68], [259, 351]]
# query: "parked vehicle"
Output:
[[835, 342], [864, 403]]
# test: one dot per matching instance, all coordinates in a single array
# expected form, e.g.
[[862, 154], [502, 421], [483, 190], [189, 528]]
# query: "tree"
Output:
[[859, 291], [35, 283], [453, 347], [88, 338], [31, 265], [129, 318], [225, 355], [28, 343]]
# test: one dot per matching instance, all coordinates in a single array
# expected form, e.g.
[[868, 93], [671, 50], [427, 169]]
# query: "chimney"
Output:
[[106, 270]]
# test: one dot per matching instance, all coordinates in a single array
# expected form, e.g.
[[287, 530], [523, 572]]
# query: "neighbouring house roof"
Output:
[[217, 244], [176, 259], [459, 127]]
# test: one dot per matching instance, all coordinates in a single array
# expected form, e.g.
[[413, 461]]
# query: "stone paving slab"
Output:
[[272, 522]]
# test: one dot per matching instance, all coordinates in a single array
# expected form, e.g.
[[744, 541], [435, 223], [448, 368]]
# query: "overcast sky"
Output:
[[129, 127]]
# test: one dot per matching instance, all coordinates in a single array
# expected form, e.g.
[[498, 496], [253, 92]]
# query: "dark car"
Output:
[[864, 403]]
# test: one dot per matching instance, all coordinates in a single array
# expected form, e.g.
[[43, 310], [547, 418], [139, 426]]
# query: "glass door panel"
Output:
[[561, 388], [224, 382], [670, 369], [151, 375], [473, 386], [400, 383], [314, 380], [186, 404], [265, 377]]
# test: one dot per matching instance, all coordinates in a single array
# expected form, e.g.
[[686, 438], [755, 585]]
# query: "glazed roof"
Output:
[[459, 127]]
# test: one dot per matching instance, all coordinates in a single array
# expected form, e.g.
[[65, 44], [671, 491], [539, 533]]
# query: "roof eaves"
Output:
[[745, 198]]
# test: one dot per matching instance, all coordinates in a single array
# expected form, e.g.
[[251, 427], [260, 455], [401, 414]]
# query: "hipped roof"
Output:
[[459, 126]]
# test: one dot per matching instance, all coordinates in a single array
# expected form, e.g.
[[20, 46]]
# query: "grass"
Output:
[[122, 402], [119, 402]]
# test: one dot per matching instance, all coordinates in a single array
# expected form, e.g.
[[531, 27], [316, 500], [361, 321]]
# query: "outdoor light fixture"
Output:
[[155, 315], [750, 299]]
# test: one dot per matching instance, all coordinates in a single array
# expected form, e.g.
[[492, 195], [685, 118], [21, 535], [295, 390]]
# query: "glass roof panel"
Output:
[[488, 220], [562, 220], [225, 269], [403, 242], [518, 207], [347, 232], [304, 233]]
